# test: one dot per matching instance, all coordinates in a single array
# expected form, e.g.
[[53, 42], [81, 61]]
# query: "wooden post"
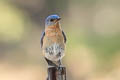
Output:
[[56, 74]]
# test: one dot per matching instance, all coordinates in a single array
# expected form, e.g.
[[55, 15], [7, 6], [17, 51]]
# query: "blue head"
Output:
[[52, 20]]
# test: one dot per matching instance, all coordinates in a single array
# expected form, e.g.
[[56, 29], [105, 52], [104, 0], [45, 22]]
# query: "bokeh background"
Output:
[[92, 28]]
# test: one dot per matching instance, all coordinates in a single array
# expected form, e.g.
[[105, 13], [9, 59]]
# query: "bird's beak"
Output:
[[58, 19]]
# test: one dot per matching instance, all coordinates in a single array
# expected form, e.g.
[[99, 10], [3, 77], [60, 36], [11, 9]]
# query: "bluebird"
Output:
[[53, 41]]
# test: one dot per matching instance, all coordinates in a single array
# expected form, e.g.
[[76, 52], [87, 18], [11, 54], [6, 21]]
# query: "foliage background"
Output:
[[93, 33]]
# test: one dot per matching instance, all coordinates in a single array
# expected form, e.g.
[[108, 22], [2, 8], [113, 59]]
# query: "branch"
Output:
[[56, 74]]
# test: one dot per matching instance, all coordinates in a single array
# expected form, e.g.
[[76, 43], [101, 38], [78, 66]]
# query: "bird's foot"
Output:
[[60, 68]]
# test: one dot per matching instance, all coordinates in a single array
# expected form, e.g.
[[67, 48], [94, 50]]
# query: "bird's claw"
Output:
[[60, 68]]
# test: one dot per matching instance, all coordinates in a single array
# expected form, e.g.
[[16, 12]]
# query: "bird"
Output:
[[53, 41]]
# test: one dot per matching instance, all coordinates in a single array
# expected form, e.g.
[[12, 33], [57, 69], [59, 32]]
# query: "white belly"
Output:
[[54, 52]]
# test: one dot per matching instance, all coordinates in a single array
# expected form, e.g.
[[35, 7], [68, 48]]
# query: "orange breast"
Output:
[[53, 35]]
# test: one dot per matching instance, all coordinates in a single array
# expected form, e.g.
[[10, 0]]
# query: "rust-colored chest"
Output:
[[53, 35]]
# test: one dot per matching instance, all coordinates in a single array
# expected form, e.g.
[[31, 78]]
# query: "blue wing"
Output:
[[41, 39], [65, 39]]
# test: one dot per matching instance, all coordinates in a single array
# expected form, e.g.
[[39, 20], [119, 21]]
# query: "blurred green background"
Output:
[[92, 28]]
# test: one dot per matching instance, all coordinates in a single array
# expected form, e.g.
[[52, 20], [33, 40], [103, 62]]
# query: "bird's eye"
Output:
[[51, 20]]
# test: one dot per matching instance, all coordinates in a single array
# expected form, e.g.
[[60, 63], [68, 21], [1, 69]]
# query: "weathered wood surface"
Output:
[[56, 74]]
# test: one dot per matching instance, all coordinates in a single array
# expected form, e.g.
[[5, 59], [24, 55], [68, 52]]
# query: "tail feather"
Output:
[[50, 63]]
